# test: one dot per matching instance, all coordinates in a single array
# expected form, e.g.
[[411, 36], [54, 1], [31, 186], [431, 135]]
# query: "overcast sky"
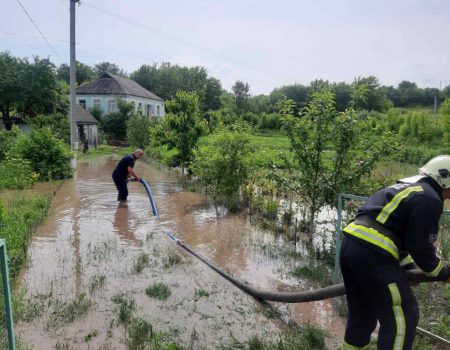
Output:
[[264, 43]]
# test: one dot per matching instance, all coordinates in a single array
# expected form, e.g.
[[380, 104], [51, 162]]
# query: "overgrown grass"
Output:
[[141, 335], [308, 338], [200, 293], [313, 272], [96, 281], [20, 214], [141, 262], [67, 311], [126, 306], [171, 259], [158, 290]]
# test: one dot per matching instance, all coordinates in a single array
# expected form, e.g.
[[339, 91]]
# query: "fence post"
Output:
[[6, 290], [337, 270]]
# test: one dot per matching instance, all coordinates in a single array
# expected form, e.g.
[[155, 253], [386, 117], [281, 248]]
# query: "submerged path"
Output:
[[90, 252]]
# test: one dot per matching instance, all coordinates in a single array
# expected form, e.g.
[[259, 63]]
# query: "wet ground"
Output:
[[86, 254]]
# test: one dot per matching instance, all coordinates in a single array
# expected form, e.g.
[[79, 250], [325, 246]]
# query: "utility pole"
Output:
[[73, 135]]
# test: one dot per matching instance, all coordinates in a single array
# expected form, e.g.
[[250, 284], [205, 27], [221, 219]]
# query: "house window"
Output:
[[140, 107], [97, 103], [149, 110], [112, 106], [133, 103], [82, 103], [158, 111]]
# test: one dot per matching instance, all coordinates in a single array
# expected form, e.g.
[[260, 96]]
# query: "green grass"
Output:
[[20, 214], [67, 311], [158, 290], [313, 272], [308, 337], [200, 293], [141, 262], [126, 306], [171, 259]]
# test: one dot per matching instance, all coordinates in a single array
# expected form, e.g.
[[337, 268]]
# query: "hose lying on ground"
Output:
[[336, 290], [414, 276]]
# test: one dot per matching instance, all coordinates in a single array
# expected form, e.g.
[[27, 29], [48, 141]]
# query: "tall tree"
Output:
[[213, 93], [28, 88], [108, 67], [329, 154], [11, 85], [183, 124], [166, 79], [241, 93], [84, 73]]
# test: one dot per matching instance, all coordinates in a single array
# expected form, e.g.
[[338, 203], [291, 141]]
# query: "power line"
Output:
[[40, 32], [122, 53], [183, 41]]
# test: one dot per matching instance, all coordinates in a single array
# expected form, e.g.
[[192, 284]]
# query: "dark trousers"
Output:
[[377, 289], [122, 187]]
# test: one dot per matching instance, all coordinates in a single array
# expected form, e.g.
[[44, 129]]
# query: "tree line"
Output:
[[37, 86]]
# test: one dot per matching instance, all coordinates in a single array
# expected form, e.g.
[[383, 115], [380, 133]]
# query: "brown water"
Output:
[[87, 236]]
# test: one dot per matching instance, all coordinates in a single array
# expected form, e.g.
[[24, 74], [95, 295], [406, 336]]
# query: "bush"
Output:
[[138, 130], [58, 123], [49, 157], [7, 141], [16, 174]]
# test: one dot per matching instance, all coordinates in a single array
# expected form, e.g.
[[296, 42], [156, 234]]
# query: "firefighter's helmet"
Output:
[[438, 169]]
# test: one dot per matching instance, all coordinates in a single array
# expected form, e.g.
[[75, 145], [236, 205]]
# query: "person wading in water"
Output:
[[123, 170]]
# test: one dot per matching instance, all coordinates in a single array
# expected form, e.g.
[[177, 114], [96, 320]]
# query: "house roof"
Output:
[[111, 84], [82, 116]]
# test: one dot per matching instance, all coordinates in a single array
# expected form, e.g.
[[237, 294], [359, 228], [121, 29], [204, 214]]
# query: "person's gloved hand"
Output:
[[138, 179]]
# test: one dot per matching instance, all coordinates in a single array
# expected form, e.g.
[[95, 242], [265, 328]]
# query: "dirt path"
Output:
[[91, 255]]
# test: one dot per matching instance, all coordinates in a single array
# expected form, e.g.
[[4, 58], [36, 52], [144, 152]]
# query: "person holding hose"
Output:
[[396, 228], [124, 169]]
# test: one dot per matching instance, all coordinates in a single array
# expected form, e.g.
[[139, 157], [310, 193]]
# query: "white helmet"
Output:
[[438, 169]]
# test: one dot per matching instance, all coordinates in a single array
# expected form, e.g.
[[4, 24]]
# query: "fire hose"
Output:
[[336, 290]]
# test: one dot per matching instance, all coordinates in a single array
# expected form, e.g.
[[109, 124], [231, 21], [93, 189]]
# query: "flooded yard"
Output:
[[94, 263]]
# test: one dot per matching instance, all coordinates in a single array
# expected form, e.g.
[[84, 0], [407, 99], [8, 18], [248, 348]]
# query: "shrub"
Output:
[[138, 130], [49, 157], [7, 141], [16, 174], [58, 123]]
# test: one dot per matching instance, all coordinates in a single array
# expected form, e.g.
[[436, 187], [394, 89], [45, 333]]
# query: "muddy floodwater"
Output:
[[89, 252]]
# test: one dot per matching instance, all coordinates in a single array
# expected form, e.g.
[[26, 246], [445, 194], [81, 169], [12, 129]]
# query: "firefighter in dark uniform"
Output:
[[123, 170], [395, 229]]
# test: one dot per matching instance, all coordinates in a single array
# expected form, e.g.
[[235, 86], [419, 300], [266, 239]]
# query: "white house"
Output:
[[104, 92]]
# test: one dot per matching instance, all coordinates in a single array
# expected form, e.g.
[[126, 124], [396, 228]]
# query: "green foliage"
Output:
[[16, 174], [108, 67], [167, 79], [419, 128], [139, 334], [329, 153], [67, 311], [8, 140], [126, 306], [115, 123], [141, 263], [182, 125], [138, 130], [58, 123], [49, 157], [84, 73], [224, 164], [444, 121], [308, 338], [19, 216], [158, 290], [241, 92]]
